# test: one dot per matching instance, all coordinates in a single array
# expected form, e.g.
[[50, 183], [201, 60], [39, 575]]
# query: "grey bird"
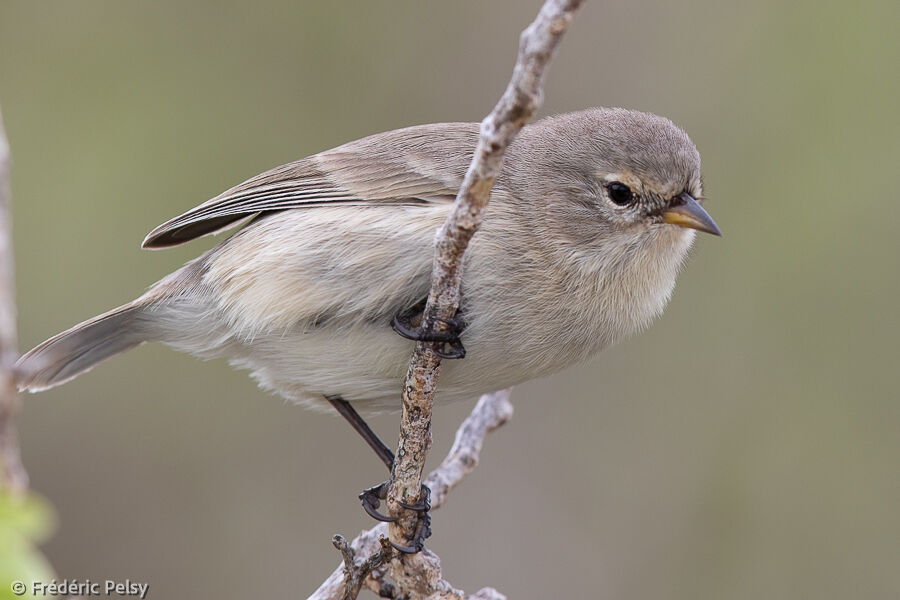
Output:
[[589, 222]]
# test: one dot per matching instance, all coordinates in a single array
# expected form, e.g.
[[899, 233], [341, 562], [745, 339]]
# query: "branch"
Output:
[[418, 576], [367, 551], [521, 99], [12, 474]]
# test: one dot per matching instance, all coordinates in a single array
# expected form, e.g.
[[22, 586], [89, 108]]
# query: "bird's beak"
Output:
[[688, 213]]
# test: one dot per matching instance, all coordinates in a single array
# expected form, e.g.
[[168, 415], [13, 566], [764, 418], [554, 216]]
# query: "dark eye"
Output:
[[620, 193]]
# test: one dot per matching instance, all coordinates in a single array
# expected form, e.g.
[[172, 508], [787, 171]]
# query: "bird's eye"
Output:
[[620, 193]]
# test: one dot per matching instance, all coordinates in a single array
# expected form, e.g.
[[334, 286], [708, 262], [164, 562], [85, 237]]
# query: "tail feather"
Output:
[[72, 352]]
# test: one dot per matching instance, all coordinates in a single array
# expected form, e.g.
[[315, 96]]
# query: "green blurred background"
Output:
[[746, 446]]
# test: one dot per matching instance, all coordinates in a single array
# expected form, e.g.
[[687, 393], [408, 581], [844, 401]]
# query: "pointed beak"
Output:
[[691, 215]]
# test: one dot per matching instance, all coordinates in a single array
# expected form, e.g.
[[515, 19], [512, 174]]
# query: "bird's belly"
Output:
[[366, 364]]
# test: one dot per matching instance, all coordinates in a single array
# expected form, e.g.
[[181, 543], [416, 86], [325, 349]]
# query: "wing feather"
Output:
[[417, 165]]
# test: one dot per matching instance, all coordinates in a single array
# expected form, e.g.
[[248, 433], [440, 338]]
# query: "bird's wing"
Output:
[[417, 165]]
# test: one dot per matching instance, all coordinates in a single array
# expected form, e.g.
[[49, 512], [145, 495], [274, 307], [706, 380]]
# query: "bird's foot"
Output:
[[371, 499], [449, 345]]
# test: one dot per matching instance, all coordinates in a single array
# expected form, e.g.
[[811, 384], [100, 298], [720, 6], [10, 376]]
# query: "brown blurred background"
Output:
[[746, 446]]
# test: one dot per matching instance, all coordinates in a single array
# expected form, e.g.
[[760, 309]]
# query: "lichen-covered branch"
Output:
[[367, 551], [521, 99], [12, 473]]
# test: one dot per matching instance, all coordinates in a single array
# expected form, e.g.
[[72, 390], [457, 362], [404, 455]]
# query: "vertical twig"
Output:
[[519, 102], [12, 474]]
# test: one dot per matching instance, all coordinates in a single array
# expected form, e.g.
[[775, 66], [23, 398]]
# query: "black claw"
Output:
[[377, 515], [423, 504], [423, 531], [371, 499], [423, 522], [403, 325], [457, 350], [405, 549]]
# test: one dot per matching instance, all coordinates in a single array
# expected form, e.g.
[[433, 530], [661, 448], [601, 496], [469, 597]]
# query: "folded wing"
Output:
[[417, 165]]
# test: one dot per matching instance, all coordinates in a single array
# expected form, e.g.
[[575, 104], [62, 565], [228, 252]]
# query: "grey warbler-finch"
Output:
[[588, 225]]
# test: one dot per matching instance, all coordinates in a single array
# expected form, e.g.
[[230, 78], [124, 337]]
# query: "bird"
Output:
[[590, 220]]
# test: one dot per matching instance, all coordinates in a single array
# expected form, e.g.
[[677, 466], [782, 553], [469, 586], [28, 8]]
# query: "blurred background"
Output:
[[746, 446]]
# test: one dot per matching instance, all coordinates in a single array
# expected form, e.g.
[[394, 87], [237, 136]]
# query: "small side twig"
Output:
[[491, 411], [355, 573], [12, 474]]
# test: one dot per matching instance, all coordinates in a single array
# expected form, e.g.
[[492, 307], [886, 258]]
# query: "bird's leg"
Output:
[[362, 428], [408, 324], [372, 497]]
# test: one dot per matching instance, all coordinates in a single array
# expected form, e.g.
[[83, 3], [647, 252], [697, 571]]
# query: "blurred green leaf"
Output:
[[25, 521]]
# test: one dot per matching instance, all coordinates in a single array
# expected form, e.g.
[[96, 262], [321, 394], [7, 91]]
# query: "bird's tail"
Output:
[[72, 352]]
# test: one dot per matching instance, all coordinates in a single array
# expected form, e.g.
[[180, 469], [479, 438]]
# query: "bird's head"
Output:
[[615, 175]]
